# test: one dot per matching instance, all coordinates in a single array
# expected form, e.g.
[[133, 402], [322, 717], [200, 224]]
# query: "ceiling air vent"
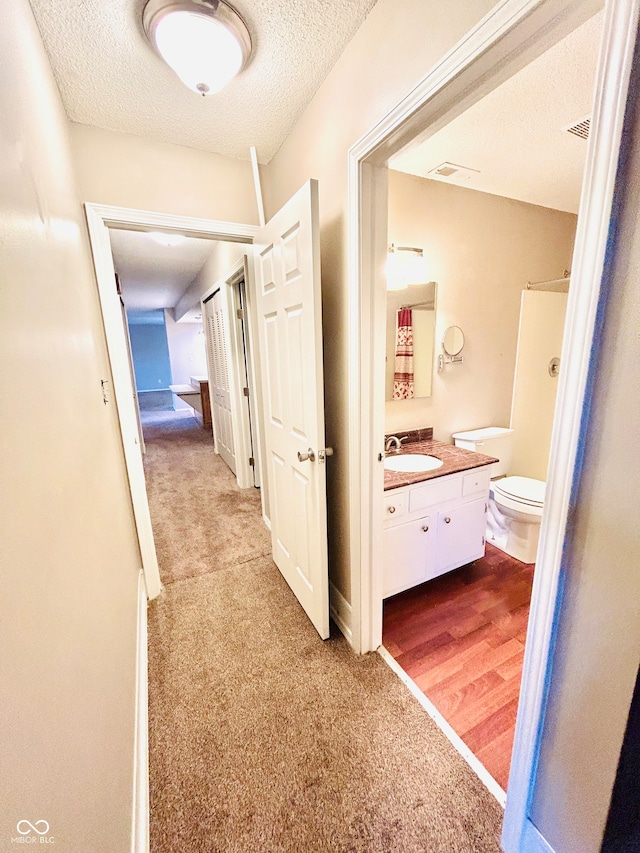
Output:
[[580, 128], [451, 170]]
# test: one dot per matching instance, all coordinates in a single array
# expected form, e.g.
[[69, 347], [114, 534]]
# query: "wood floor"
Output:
[[461, 639]]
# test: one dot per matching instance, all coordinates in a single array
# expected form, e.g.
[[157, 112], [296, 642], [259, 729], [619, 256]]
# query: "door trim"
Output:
[[100, 218], [509, 37], [140, 816], [505, 40]]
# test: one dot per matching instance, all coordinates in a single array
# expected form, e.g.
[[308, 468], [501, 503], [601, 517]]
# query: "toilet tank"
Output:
[[493, 441]]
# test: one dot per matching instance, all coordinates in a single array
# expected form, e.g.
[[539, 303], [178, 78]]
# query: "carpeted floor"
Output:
[[264, 738], [202, 522]]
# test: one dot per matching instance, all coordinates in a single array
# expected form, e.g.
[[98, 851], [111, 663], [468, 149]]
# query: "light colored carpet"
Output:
[[264, 738], [202, 522]]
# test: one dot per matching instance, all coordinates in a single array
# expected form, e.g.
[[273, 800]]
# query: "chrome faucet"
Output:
[[393, 439]]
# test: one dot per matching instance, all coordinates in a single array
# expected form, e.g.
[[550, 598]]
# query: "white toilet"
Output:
[[515, 503]]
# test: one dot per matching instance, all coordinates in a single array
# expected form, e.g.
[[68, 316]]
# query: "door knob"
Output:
[[447, 520], [309, 455], [425, 528]]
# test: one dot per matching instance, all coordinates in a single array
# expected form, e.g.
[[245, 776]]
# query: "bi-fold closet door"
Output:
[[232, 387], [219, 390]]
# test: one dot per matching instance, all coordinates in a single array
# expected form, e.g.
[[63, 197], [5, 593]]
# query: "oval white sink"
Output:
[[411, 463]]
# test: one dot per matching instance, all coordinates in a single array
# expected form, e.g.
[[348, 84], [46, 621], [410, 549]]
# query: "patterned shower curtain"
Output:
[[403, 376]]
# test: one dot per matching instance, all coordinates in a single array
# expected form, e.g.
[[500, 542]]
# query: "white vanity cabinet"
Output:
[[433, 527]]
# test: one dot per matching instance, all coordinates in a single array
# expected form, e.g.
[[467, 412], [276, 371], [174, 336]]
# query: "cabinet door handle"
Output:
[[391, 509], [425, 528], [447, 520]]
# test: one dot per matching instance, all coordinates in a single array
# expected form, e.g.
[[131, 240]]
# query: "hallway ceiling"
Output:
[[110, 77], [152, 275]]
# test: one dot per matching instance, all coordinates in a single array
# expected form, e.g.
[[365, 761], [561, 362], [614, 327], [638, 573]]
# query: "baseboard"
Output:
[[140, 817], [340, 611], [477, 766], [267, 521]]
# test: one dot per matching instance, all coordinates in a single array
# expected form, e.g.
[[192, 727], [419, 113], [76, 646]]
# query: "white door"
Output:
[[133, 374], [221, 414], [287, 267]]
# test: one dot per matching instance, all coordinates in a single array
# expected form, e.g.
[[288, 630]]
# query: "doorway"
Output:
[[488, 230], [99, 219], [494, 50]]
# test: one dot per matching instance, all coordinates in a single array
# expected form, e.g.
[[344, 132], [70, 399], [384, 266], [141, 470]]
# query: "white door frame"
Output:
[[100, 218], [510, 36], [227, 285]]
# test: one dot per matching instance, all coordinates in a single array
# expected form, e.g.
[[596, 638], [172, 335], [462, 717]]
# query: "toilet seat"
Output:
[[522, 493]]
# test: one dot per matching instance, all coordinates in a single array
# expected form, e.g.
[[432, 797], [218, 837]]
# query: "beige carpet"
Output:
[[202, 522], [264, 738]]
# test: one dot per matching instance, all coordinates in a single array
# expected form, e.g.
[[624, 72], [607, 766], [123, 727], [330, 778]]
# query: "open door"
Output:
[[288, 306]]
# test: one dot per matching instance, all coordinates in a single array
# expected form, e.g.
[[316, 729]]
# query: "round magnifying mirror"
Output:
[[453, 340]]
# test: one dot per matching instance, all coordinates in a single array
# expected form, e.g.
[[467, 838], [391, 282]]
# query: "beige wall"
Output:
[[598, 651], [128, 171], [542, 316], [222, 258], [482, 249], [70, 560], [389, 54]]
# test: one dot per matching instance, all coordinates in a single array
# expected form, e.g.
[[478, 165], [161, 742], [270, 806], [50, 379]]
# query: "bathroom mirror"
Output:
[[420, 299], [453, 340]]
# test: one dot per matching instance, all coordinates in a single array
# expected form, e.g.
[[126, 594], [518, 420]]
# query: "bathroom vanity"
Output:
[[434, 521]]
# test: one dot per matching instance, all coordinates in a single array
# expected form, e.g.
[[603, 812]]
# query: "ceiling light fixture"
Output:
[[205, 42], [405, 265], [167, 239]]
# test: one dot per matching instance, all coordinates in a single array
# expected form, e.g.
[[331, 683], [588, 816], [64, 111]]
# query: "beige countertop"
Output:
[[454, 460]]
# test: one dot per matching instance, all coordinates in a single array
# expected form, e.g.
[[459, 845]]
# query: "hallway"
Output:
[[262, 737]]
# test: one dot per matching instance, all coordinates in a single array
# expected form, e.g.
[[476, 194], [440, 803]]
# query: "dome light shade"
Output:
[[205, 42]]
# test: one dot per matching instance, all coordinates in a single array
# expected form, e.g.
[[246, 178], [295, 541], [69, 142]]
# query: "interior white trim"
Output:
[[140, 817], [129, 217], [509, 36], [242, 429], [123, 391], [573, 399], [100, 218], [255, 408], [459, 745], [251, 321], [513, 33], [340, 611]]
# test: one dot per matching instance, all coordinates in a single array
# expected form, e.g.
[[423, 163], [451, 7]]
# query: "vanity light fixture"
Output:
[[406, 265], [205, 42]]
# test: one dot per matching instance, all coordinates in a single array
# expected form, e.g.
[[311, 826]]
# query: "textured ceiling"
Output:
[[110, 77], [155, 276], [516, 136]]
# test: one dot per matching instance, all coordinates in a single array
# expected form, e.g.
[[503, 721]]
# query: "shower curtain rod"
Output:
[[429, 305], [532, 285]]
